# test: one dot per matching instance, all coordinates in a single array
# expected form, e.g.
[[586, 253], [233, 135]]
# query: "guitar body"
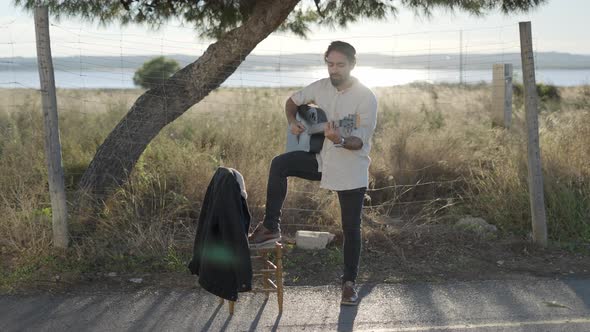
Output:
[[310, 117], [314, 119]]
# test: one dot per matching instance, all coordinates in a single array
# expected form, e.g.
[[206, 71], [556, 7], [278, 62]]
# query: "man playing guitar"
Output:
[[342, 165]]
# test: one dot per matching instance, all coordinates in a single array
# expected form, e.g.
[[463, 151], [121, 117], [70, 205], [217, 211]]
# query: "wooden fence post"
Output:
[[502, 95], [535, 178], [52, 144]]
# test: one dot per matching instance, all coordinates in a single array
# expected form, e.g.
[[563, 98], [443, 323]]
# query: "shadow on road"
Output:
[[256, 320], [207, 325], [348, 313]]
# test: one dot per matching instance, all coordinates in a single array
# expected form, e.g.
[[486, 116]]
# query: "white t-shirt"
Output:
[[343, 169]]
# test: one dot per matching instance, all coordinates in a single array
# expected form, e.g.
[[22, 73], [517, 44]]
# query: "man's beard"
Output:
[[337, 81]]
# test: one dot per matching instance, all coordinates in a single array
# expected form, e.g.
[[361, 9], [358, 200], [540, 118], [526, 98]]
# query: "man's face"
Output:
[[338, 67]]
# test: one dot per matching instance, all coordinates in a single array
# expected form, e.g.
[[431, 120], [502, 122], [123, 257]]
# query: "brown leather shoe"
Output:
[[349, 294], [262, 237]]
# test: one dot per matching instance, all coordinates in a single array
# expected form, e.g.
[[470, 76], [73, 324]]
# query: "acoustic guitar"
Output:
[[314, 119]]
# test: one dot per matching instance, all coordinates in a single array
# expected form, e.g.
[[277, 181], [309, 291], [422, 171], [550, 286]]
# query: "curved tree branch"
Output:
[[159, 106]]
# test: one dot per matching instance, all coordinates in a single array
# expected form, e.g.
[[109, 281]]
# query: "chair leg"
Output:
[[279, 276], [231, 307], [265, 275]]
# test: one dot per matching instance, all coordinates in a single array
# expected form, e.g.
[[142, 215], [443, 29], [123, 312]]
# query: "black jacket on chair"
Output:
[[221, 256]]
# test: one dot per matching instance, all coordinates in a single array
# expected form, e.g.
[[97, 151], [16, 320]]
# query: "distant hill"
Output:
[[288, 62]]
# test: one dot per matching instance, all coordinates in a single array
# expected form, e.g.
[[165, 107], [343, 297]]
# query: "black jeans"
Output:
[[304, 165]]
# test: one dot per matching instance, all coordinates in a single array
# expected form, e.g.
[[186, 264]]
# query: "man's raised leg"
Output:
[[297, 163]]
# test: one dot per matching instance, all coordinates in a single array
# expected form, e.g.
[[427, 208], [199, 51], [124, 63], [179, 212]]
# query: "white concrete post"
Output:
[[502, 95]]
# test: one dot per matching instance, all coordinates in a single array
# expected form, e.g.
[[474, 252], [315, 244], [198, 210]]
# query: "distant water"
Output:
[[373, 77]]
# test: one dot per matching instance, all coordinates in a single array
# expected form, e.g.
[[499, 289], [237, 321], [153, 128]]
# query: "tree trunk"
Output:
[[159, 106]]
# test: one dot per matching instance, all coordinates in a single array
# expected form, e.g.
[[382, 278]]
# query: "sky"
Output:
[[558, 26]]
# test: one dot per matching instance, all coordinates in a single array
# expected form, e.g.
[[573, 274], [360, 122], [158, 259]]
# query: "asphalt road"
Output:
[[530, 304]]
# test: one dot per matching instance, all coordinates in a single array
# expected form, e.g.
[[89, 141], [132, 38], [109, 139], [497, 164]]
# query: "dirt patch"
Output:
[[438, 253], [406, 254]]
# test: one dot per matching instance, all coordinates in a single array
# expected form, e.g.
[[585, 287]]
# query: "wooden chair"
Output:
[[267, 271]]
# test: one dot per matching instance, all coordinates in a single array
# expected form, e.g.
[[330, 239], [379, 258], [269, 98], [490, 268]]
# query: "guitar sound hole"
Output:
[[313, 116]]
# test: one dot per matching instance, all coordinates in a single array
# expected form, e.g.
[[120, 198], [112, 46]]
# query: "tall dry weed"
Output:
[[435, 157]]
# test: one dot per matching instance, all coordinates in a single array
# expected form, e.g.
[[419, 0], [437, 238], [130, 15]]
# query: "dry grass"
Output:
[[435, 158]]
